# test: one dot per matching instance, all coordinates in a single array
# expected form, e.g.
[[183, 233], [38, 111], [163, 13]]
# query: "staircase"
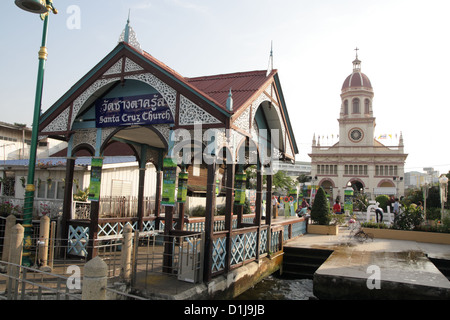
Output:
[[301, 263]]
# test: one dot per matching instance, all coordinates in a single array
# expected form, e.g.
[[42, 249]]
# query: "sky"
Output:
[[403, 45]]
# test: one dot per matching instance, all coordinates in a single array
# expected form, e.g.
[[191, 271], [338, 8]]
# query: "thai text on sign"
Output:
[[136, 110]]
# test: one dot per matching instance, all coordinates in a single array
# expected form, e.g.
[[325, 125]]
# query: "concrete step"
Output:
[[301, 263]]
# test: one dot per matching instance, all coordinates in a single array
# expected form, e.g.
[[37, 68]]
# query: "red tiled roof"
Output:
[[243, 86]]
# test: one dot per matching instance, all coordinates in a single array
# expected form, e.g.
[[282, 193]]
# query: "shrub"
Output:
[[383, 201], [374, 225], [198, 211], [409, 219], [320, 211]]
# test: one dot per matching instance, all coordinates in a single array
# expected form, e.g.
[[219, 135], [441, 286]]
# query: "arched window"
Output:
[[367, 106], [355, 105], [346, 107]]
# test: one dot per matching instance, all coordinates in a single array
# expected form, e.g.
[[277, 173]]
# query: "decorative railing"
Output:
[[244, 241]]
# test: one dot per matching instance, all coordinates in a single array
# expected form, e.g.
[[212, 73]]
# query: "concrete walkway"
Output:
[[378, 269]]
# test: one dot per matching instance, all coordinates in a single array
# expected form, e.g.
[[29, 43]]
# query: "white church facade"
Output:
[[358, 159]]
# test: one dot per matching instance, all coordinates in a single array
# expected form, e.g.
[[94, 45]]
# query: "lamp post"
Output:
[[42, 7]]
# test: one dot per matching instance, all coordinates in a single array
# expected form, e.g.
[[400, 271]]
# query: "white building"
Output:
[[358, 158]]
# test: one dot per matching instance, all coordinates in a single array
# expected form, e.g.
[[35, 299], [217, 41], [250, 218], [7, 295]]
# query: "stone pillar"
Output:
[[15, 253], [44, 232], [10, 223], [95, 280], [127, 248]]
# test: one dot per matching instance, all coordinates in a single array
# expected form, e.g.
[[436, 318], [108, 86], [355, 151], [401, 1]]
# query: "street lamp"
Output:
[[42, 7]]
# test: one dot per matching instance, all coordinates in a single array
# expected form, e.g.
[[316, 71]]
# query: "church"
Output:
[[358, 159]]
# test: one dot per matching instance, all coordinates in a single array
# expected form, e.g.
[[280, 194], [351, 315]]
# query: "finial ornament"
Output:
[[356, 62], [129, 36]]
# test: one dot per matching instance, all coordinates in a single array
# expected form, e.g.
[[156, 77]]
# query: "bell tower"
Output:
[[356, 120]]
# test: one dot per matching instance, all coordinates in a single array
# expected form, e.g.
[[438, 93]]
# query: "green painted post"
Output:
[[30, 188]]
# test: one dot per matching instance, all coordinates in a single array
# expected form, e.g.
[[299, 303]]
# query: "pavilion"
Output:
[[227, 121]]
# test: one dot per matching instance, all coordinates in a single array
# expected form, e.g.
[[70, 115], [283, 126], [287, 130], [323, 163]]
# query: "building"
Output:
[[358, 158], [416, 179], [134, 101], [296, 169]]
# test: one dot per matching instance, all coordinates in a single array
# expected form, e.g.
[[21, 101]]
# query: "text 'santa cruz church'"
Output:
[[358, 158]]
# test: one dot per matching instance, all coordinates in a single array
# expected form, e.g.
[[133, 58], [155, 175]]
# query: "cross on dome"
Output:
[[356, 62]]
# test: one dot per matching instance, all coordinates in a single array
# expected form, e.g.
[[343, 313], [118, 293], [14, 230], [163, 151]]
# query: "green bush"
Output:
[[198, 211], [374, 225], [383, 201], [409, 219], [433, 213], [320, 211]]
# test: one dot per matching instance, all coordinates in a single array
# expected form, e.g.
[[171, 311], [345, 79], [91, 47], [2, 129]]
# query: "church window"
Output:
[[366, 106], [356, 105], [346, 107]]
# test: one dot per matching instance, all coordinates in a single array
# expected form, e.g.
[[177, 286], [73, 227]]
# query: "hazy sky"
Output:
[[404, 48]]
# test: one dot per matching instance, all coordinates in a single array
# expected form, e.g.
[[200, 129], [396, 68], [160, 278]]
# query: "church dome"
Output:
[[357, 79]]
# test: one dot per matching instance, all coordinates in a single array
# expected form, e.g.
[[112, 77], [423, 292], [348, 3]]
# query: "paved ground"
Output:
[[399, 263]]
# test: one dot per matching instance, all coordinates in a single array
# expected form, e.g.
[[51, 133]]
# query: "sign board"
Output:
[[239, 189], [169, 179], [136, 110], [96, 178], [348, 200]]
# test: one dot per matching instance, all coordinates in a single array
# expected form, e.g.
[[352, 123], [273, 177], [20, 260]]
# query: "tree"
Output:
[[282, 181], [320, 211]]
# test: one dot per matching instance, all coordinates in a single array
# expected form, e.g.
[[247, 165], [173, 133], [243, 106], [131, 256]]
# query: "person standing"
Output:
[[396, 207], [379, 211]]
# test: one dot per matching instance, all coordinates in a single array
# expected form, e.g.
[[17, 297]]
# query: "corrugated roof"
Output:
[[243, 86]]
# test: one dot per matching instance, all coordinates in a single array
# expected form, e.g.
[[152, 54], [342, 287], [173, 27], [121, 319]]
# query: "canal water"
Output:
[[276, 288]]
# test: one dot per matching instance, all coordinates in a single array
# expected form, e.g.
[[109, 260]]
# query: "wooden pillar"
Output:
[[258, 207], [269, 181], [181, 206], [141, 183], [159, 176], [140, 208], [209, 220], [159, 180], [229, 204], [240, 208], [180, 222], [93, 229], [168, 247], [68, 197]]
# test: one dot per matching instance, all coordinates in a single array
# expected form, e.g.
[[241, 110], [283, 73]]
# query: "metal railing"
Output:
[[24, 283]]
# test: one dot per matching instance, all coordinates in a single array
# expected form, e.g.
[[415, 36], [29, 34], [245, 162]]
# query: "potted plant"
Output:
[[321, 216]]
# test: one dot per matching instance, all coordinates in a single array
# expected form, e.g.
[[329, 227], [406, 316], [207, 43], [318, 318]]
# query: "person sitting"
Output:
[[337, 207], [303, 212]]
